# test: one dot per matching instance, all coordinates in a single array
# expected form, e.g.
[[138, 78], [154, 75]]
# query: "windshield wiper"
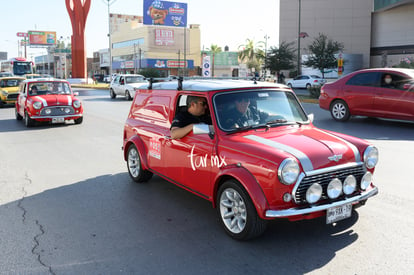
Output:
[[276, 121]]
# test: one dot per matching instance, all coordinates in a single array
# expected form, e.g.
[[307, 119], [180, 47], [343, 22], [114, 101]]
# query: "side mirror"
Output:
[[203, 129], [311, 117]]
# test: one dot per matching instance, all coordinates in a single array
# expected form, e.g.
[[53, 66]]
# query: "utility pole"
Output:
[[298, 36]]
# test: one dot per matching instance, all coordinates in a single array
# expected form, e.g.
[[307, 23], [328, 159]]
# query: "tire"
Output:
[[79, 120], [128, 95], [112, 93], [134, 166], [18, 116], [290, 85], [237, 212], [28, 121], [1, 104], [339, 110], [308, 86]]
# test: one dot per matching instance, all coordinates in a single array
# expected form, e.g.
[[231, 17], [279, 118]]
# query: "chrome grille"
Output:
[[324, 178], [57, 111]]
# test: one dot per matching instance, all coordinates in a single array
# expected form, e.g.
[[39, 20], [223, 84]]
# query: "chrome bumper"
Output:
[[312, 209], [50, 117]]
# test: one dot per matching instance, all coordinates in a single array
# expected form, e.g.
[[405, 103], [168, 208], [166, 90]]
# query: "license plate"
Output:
[[58, 120], [338, 213]]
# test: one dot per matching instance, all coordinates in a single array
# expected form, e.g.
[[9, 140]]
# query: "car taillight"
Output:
[[315, 81]]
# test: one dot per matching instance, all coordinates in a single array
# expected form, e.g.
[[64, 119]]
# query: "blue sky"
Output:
[[222, 22]]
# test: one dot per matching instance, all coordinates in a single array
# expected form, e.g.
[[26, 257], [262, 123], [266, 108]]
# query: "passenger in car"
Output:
[[182, 123], [387, 82], [242, 114], [33, 90]]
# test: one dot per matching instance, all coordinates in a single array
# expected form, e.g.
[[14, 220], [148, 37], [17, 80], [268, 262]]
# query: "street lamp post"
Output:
[[110, 2], [299, 69], [265, 57]]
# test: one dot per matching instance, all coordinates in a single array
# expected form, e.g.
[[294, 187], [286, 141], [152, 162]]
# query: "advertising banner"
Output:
[[42, 38], [165, 13]]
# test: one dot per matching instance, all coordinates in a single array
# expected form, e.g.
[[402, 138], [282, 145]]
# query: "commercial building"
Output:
[[379, 31], [170, 50]]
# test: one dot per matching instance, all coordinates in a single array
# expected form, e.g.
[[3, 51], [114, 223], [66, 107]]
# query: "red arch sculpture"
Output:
[[78, 12]]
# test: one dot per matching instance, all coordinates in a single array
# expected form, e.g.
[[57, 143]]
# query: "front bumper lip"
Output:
[[51, 117], [301, 211]]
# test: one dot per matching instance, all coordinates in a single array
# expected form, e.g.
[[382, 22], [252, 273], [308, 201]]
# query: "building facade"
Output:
[[380, 31], [170, 50]]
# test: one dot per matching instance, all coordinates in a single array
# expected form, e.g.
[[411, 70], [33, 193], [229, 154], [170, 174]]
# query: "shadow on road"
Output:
[[153, 228]]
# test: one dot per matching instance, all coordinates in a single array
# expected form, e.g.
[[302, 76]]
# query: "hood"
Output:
[[314, 148], [54, 100]]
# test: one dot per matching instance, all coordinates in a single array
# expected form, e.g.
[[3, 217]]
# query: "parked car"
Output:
[[125, 85], [5, 74], [366, 93], [47, 100], [107, 79], [275, 165], [9, 89], [306, 81]]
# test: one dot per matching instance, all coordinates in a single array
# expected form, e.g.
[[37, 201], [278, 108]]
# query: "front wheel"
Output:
[[134, 166], [79, 120], [290, 85], [112, 93], [237, 212], [128, 95], [28, 121], [18, 116], [339, 110]]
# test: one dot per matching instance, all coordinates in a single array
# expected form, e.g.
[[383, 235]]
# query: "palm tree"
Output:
[[214, 49], [252, 54]]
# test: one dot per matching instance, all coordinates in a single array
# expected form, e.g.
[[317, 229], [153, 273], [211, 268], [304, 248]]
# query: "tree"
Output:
[[252, 54], [214, 49], [281, 58], [322, 51]]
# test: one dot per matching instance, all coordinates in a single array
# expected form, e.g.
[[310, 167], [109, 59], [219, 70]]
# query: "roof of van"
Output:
[[212, 85]]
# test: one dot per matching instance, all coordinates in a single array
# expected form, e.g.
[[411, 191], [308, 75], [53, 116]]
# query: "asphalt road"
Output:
[[68, 206]]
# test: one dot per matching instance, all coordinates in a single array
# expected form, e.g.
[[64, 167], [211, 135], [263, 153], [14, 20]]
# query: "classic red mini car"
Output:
[[49, 100], [258, 158]]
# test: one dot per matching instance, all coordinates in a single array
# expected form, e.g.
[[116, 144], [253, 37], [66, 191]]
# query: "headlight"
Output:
[[37, 105], [76, 104], [314, 193], [349, 185], [334, 189], [366, 180], [288, 171], [371, 157], [5, 93]]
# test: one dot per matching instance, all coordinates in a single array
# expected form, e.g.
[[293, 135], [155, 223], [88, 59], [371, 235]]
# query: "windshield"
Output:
[[262, 108], [50, 87], [21, 68], [10, 82]]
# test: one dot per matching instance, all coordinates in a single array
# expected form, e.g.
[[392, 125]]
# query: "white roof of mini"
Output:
[[212, 85]]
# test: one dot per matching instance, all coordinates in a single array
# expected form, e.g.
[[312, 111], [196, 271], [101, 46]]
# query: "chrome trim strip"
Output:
[[74, 115], [335, 168], [302, 157], [300, 211]]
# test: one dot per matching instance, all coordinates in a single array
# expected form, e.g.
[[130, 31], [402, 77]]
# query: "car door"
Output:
[[21, 99], [116, 84], [393, 100], [359, 93], [188, 161], [302, 81]]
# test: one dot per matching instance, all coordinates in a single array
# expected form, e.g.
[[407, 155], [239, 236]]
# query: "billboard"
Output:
[[42, 38], [165, 13]]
